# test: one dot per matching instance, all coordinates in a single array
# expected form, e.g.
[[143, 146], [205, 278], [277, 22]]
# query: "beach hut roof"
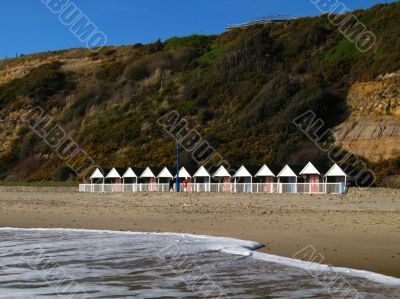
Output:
[[264, 172], [147, 173], [336, 171], [113, 174], [221, 172], [165, 173], [183, 173], [202, 172], [242, 173], [286, 172], [309, 169], [97, 174], [129, 173]]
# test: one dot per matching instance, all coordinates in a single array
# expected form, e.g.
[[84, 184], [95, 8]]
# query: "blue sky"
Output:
[[27, 26]]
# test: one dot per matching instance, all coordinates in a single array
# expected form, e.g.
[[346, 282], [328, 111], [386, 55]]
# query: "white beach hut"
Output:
[[287, 180], [268, 177], [96, 179], [115, 178], [165, 175], [147, 174], [129, 175], [311, 177], [338, 179], [96, 176], [202, 180], [150, 180], [223, 175], [129, 178], [163, 179], [184, 174], [245, 180]]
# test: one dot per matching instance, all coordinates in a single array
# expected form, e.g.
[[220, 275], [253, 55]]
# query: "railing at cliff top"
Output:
[[263, 20]]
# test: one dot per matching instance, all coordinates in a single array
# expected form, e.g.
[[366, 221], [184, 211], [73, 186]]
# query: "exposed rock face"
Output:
[[377, 98], [373, 127]]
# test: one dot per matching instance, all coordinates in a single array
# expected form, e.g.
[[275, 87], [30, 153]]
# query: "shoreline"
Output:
[[358, 230], [305, 265]]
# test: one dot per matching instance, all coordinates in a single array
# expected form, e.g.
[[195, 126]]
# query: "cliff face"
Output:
[[372, 129], [380, 97], [240, 90]]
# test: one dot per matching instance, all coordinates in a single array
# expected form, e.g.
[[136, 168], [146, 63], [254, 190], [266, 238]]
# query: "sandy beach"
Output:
[[359, 230]]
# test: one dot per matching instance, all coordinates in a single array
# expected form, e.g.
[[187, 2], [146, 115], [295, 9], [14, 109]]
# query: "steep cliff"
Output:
[[240, 90], [372, 129]]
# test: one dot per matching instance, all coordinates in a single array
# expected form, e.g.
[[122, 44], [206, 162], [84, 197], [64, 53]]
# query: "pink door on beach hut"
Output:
[[268, 184], [227, 184], [118, 186], [314, 181], [153, 186], [189, 185]]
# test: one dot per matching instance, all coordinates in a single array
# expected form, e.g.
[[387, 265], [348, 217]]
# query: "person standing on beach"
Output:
[[171, 185]]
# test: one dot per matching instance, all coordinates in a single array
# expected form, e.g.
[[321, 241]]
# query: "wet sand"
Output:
[[358, 230]]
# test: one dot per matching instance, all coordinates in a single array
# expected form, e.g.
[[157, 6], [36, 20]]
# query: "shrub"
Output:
[[93, 96], [111, 71], [187, 107], [137, 71], [145, 66], [210, 56], [64, 173], [41, 83], [108, 51], [199, 42]]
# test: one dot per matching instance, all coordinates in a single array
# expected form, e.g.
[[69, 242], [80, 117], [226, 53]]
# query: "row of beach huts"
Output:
[[289, 179]]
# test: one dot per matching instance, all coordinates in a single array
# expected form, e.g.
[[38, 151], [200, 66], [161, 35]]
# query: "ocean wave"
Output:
[[143, 261]]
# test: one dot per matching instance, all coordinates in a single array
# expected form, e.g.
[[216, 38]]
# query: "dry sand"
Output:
[[358, 230]]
